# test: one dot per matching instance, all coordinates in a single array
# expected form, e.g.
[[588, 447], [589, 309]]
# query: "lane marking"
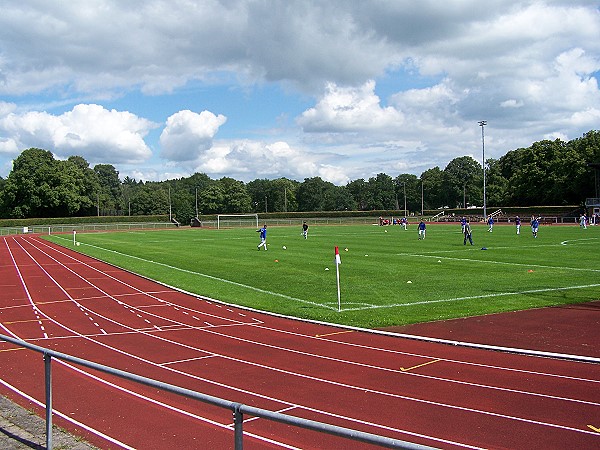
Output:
[[597, 430], [12, 349], [402, 369], [337, 332], [25, 321]]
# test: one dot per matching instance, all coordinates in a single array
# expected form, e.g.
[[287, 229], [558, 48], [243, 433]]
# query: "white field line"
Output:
[[498, 294], [211, 277], [473, 297], [484, 261]]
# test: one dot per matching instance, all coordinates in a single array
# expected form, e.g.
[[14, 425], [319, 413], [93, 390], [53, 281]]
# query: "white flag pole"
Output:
[[338, 261]]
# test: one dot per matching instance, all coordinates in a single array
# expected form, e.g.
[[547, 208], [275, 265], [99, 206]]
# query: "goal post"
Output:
[[237, 220]]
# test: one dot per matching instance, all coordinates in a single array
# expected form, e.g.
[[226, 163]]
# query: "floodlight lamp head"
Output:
[[482, 123]]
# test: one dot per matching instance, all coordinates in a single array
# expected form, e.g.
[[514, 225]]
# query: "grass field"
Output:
[[387, 276]]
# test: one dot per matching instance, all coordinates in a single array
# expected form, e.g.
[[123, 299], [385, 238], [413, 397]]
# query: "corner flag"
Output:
[[338, 261]]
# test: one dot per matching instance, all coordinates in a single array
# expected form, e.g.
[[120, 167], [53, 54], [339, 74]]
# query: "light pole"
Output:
[[483, 123], [421, 197], [405, 215]]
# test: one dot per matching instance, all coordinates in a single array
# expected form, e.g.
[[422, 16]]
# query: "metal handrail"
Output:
[[237, 409]]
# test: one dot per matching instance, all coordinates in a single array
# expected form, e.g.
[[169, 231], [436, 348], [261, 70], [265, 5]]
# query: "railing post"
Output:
[[238, 426], [48, 383]]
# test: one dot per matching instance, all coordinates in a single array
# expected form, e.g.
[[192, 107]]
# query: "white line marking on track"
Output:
[[362, 389], [186, 360]]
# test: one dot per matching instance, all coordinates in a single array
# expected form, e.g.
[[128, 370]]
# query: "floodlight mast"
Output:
[[482, 124]]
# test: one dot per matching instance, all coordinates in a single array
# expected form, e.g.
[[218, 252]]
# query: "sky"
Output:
[[263, 89]]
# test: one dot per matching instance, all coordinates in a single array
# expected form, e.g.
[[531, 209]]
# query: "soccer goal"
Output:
[[237, 220]]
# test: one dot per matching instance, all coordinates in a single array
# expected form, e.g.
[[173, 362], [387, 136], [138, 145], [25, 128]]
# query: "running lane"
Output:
[[427, 393]]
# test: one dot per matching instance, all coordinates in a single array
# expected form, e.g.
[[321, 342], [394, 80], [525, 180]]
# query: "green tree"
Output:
[[496, 184], [410, 185], [283, 195], [433, 188], [260, 192], [150, 199], [311, 194], [110, 190], [235, 196], [462, 181], [210, 199], [537, 176], [40, 186], [381, 192], [359, 189], [337, 198]]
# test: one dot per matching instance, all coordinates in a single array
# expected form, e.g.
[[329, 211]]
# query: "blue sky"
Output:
[[253, 89]]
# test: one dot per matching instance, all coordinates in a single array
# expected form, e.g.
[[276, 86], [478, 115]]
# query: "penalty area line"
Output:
[[474, 297]]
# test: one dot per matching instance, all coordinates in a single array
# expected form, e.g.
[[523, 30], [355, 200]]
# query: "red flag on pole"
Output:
[[337, 256]]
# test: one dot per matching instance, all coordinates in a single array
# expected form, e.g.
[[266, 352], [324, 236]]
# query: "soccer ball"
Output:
[[284, 247]]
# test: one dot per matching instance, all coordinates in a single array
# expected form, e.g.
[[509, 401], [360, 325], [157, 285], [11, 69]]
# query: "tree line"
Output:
[[548, 173]]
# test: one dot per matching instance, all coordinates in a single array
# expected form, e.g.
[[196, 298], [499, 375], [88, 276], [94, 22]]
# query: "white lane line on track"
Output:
[[401, 372], [24, 285], [488, 366], [384, 393], [186, 360], [428, 357], [66, 416], [216, 383]]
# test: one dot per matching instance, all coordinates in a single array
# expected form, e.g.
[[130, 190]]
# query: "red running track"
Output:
[[427, 393]]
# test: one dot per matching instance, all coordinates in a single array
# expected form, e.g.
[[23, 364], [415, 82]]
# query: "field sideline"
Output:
[[388, 277]]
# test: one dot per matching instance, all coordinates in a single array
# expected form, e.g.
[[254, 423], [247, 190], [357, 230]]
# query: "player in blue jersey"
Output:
[[535, 223], [491, 224], [263, 237], [422, 228], [518, 224]]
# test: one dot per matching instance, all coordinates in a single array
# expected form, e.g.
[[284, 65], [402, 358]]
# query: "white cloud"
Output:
[[188, 134], [343, 109], [91, 131], [248, 160], [375, 86]]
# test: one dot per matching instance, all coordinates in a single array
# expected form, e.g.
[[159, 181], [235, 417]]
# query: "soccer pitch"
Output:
[[387, 276]]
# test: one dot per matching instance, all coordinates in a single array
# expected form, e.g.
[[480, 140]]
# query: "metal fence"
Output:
[[238, 409], [66, 228]]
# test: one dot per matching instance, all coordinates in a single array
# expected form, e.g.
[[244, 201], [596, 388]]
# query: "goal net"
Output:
[[237, 220]]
